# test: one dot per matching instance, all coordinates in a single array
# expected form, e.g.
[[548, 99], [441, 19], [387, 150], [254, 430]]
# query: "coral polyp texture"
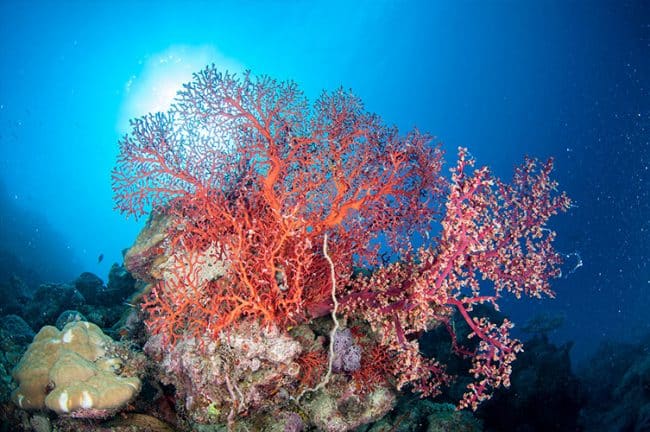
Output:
[[269, 212], [74, 372]]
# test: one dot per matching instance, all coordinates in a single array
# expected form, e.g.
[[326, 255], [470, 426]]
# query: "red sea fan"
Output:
[[254, 179], [248, 168]]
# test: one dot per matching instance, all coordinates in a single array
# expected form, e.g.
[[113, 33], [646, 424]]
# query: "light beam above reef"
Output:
[[153, 87]]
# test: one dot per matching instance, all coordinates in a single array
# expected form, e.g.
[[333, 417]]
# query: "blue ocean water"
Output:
[[568, 80]]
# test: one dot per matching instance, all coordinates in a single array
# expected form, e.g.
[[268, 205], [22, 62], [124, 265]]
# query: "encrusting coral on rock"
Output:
[[78, 372], [242, 371]]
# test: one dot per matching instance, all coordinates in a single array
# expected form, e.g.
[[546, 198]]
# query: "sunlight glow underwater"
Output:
[[162, 76]]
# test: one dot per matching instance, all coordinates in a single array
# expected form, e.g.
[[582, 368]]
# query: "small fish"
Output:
[[100, 258]]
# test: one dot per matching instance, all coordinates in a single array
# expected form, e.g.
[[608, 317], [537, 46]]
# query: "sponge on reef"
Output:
[[73, 373]]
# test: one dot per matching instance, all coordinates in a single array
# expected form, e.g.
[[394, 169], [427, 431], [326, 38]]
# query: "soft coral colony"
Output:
[[277, 213]]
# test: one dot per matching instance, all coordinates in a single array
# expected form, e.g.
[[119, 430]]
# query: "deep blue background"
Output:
[[505, 79]]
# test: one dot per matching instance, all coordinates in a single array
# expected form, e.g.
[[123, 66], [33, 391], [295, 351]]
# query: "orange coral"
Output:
[[312, 367], [254, 180], [376, 367], [245, 167]]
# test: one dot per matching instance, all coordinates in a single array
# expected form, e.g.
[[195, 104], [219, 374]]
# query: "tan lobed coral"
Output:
[[73, 372]]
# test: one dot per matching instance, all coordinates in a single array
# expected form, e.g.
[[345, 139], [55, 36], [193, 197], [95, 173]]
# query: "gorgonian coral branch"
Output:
[[252, 179], [247, 163], [491, 231]]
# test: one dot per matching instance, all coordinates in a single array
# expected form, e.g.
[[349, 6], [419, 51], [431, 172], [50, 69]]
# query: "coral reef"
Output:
[[14, 292], [53, 299], [341, 407], [78, 372], [214, 380], [90, 286], [67, 317], [263, 202], [617, 385], [426, 416], [542, 382], [15, 335], [87, 295], [269, 214], [347, 354], [254, 371], [276, 285]]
